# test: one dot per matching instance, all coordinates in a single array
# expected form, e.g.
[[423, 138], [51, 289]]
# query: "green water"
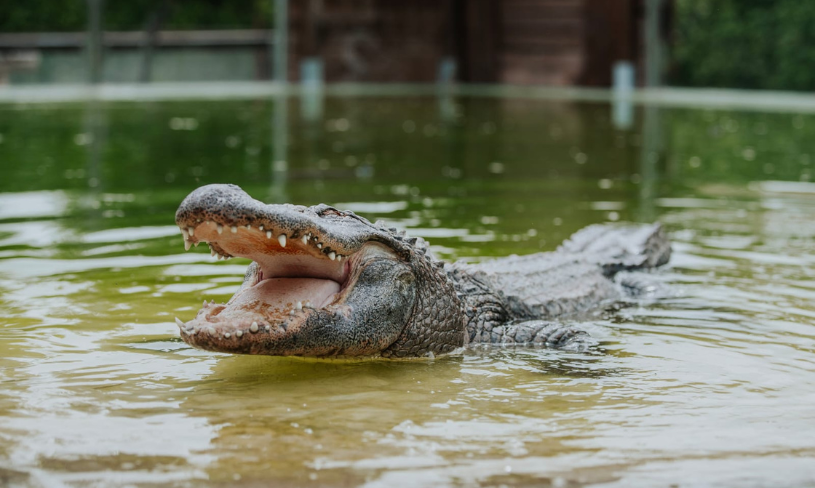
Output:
[[714, 385]]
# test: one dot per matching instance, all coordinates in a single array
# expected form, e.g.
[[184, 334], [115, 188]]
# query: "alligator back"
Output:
[[577, 277], [621, 247]]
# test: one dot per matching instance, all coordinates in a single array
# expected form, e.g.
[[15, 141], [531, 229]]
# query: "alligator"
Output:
[[327, 282]]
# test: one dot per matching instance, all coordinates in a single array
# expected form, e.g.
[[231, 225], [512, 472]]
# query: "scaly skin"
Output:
[[326, 282]]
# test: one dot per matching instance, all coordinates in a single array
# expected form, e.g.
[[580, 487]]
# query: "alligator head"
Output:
[[323, 282]]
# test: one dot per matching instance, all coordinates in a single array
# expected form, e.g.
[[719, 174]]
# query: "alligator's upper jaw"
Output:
[[219, 214], [305, 266], [278, 256]]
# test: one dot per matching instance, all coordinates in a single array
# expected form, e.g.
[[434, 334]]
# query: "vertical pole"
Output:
[[622, 89], [95, 41], [651, 155], [280, 36], [154, 21], [96, 130], [280, 122], [280, 141], [311, 92], [653, 44]]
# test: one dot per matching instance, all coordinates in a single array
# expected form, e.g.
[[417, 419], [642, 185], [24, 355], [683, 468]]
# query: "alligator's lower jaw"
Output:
[[245, 325], [262, 314], [267, 310]]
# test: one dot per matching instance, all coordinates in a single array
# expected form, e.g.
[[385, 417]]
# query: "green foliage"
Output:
[[70, 15], [42, 15], [761, 44]]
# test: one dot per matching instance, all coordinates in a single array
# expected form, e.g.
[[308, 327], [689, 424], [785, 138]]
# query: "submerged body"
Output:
[[326, 282]]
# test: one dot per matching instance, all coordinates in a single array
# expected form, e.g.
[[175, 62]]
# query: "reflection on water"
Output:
[[714, 384]]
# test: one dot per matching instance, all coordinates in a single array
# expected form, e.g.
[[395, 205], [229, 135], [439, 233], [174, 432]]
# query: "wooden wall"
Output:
[[525, 42], [543, 41], [371, 40]]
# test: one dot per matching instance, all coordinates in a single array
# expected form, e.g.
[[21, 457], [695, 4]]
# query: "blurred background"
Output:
[[488, 127], [757, 44]]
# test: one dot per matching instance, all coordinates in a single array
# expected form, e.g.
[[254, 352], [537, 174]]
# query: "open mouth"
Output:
[[294, 274]]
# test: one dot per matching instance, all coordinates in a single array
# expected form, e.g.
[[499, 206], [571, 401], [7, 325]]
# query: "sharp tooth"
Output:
[[219, 228], [282, 240], [184, 232], [268, 328], [305, 239], [212, 252], [187, 245], [227, 335], [211, 330], [234, 229], [268, 234], [248, 227], [319, 245], [239, 333], [253, 327], [332, 255], [299, 305], [260, 228], [179, 322], [339, 257], [191, 230], [205, 303], [196, 243]]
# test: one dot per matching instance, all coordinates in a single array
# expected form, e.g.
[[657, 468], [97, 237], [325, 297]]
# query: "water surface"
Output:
[[713, 385]]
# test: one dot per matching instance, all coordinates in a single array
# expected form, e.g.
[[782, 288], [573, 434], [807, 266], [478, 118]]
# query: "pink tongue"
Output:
[[284, 293]]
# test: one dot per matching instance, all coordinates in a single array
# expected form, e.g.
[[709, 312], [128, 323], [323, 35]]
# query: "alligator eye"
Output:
[[406, 278], [323, 210]]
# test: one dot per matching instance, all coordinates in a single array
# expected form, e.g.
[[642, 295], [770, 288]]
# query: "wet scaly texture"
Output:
[[393, 297]]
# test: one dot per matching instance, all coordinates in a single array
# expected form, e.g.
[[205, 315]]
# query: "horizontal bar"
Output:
[[191, 38]]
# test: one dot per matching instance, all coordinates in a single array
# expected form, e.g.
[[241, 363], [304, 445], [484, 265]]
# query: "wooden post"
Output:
[[95, 61], [151, 30], [609, 37], [280, 59], [653, 44], [480, 53]]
